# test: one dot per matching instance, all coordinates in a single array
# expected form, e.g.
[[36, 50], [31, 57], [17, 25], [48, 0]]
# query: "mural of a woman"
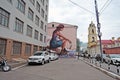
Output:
[[58, 39]]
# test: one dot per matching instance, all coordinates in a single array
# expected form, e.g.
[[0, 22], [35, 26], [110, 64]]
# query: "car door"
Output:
[[46, 56]]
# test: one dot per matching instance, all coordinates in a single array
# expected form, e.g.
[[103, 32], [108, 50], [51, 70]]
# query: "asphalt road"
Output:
[[62, 69]]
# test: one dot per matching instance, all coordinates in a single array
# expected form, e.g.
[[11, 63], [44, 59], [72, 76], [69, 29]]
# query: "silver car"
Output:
[[39, 57], [113, 58]]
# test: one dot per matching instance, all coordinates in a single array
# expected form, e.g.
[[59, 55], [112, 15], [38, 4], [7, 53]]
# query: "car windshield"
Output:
[[38, 54], [115, 56]]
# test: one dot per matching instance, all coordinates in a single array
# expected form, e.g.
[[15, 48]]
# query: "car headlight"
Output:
[[40, 58]]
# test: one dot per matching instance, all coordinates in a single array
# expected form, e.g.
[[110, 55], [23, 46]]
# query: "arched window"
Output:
[[93, 31]]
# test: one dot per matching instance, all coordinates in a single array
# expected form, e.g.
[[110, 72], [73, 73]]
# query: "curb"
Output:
[[113, 75], [15, 66]]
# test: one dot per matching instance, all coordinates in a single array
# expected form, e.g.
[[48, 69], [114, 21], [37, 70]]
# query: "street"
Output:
[[62, 69]]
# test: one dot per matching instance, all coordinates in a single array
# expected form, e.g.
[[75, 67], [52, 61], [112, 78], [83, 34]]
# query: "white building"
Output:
[[22, 27]]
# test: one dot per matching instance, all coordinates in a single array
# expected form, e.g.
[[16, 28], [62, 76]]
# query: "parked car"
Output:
[[39, 57], [113, 58], [53, 56]]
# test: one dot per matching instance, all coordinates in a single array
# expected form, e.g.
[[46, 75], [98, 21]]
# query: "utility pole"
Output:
[[98, 27]]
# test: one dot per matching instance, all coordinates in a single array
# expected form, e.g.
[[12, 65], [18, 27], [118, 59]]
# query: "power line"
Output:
[[107, 3], [81, 7]]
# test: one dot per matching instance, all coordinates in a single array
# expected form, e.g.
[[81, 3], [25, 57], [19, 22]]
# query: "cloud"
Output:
[[66, 12]]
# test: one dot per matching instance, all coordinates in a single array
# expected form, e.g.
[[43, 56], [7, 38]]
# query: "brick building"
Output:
[[22, 27]]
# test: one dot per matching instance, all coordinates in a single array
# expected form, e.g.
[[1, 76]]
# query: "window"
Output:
[[35, 48], [45, 28], [45, 17], [38, 7], [2, 46], [19, 25], [4, 17], [17, 47], [41, 37], [93, 31], [29, 31], [28, 49], [53, 25], [37, 20], [36, 34], [46, 7], [32, 1], [21, 6], [44, 39], [30, 14], [42, 24], [42, 13]]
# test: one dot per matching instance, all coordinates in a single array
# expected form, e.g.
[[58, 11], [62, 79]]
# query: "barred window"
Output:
[[45, 17], [42, 13], [29, 31], [4, 17], [36, 34], [19, 25], [44, 39], [45, 28], [30, 14], [46, 7], [17, 47], [37, 19], [21, 6], [41, 37], [2, 46], [42, 24], [38, 7], [28, 49]]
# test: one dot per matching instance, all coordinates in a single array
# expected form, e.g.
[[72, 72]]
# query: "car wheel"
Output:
[[48, 60], [43, 62]]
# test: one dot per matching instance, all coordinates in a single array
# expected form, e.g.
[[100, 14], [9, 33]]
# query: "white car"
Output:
[[113, 58], [53, 56], [39, 57]]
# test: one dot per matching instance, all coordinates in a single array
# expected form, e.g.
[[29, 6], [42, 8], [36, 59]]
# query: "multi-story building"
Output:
[[70, 32], [23, 27]]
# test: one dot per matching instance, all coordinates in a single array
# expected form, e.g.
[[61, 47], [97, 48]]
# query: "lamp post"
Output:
[[98, 27]]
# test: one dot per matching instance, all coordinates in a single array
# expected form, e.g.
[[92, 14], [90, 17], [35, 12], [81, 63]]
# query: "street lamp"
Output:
[[98, 27]]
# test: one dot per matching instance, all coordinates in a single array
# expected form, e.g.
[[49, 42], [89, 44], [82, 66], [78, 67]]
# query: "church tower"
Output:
[[92, 35]]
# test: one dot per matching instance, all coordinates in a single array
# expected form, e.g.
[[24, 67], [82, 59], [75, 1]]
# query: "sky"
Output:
[[64, 11]]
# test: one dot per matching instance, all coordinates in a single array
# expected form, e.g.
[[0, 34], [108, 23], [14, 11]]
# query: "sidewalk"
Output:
[[107, 72], [17, 62]]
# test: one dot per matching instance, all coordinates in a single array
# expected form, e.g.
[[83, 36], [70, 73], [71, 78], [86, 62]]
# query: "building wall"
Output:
[[115, 50], [10, 35], [70, 32]]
